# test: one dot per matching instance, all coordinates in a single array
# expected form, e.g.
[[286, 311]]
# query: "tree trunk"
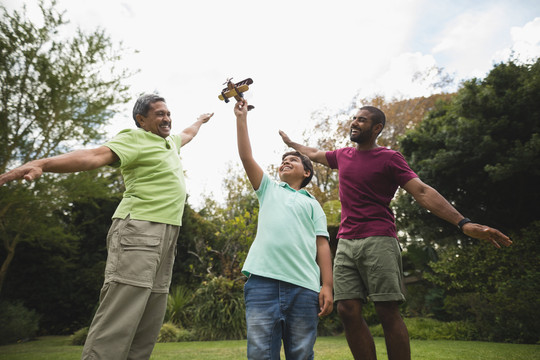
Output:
[[10, 248]]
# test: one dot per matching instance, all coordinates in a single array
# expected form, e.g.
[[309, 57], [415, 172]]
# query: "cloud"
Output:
[[525, 43]]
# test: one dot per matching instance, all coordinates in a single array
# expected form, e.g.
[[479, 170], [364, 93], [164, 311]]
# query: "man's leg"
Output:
[[149, 327], [115, 322], [357, 332], [395, 330]]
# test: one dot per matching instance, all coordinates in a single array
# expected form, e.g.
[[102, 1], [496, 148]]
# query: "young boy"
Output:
[[288, 258]]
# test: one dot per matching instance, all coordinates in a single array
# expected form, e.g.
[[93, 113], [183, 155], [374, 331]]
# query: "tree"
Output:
[[481, 150], [54, 92]]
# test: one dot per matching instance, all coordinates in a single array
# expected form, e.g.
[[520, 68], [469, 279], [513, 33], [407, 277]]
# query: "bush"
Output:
[[18, 323], [79, 337], [219, 310], [494, 289], [177, 306], [330, 324], [168, 333]]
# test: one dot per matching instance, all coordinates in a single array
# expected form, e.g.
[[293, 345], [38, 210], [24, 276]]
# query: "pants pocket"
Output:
[[138, 257]]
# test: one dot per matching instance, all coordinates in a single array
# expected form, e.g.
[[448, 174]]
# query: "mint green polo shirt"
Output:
[[285, 247], [153, 176]]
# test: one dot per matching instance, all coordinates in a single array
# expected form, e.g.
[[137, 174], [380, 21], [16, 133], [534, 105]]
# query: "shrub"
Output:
[[219, 311], [330, 324], [18, 323], [168, 333], [177, 306], [79, 337]]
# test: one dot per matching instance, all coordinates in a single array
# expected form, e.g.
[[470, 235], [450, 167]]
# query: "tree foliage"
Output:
[[481, 150], [54, 92]]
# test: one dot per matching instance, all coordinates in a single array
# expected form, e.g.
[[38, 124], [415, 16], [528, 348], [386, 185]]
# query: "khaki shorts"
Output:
[[368, 268], [141, 253]]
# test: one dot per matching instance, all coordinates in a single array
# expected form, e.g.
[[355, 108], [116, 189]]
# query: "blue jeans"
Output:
[[276, 311]]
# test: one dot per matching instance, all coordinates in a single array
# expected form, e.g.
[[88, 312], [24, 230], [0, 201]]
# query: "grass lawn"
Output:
[[326, 348]]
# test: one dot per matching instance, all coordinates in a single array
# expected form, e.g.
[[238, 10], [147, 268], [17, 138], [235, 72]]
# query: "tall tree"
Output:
[[481, 151], [54, 92]]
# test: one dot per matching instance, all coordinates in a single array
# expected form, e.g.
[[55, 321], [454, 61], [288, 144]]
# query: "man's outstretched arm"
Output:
[[191, 131], [430, 199], [78, 160], [314, 154]]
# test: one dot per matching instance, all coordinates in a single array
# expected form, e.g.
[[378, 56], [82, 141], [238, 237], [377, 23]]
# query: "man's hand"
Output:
[[326, 301], [29, 171], [285, 138], [205, 117], [487, 233]]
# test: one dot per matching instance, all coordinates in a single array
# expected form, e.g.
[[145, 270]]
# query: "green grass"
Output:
[[326, 348]]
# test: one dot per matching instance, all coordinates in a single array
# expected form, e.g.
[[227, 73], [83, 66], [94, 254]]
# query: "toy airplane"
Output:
[[235, 90]]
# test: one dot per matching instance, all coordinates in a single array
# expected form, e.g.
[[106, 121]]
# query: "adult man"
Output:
[[142, 239], [368, 258]]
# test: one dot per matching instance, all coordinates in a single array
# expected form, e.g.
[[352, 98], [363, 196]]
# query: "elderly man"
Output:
[[141, 242]]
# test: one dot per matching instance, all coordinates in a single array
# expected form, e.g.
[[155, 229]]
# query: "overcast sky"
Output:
[[303, 55]]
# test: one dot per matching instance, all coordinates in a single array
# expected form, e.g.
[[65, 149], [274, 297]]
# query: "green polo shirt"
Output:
[[285, 247], [153, 176]]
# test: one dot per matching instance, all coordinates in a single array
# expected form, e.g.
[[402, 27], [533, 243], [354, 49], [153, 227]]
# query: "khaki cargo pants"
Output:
[[133, 299]]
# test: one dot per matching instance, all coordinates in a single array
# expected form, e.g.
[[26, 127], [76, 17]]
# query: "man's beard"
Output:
[[362, 137]]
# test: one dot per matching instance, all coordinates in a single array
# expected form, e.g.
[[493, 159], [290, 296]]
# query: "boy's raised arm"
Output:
[[253, 170]]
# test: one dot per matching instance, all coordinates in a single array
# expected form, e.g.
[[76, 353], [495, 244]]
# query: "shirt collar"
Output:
[[283, 184]]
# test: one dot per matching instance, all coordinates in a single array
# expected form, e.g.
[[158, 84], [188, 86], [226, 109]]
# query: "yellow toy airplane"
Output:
[[235, 90]]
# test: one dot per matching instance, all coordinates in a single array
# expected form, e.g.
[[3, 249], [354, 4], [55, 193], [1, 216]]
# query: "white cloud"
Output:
[[303, 55], [525, 43]]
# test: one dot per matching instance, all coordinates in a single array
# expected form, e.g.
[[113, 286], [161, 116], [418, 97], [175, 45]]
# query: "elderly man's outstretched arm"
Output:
[[78, 160]]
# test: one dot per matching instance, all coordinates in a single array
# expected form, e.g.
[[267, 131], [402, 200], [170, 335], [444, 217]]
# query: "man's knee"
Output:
[[349, 308], [388, 312]]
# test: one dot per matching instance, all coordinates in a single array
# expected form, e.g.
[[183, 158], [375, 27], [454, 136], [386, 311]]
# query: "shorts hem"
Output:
[[387, 297], [350, 297]]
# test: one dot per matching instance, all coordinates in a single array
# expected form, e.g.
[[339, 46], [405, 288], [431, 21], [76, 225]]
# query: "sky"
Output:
[[303, 56]]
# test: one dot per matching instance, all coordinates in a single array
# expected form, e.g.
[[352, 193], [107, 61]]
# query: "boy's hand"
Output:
[[326, 300], [241, 108]]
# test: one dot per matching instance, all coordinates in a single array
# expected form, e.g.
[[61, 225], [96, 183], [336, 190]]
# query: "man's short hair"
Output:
[[305, 161], [377, 115], [142, 105]]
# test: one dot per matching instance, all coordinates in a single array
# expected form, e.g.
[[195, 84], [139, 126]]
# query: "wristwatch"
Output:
[[463, 222]]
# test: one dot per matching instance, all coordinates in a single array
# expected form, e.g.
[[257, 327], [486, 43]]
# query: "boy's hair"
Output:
[[143, 105], [305, 161]]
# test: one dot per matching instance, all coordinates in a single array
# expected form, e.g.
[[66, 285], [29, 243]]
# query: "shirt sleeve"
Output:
[[400, 169], [331, 157], [177, 139], [319, 220], [125, 146]]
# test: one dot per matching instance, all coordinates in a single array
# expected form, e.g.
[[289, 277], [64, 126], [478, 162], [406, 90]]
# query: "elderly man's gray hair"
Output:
[[142, 105]]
